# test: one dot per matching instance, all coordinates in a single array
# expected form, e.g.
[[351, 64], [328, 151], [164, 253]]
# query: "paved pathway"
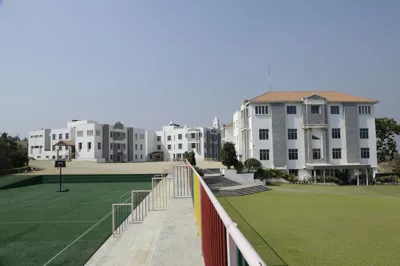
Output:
[[178, 243]]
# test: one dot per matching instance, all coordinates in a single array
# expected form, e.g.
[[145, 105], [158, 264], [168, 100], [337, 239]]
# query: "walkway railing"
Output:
[[222, 241]]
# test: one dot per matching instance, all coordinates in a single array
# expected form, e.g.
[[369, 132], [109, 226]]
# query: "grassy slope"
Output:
[[316, 225], [36, 243]]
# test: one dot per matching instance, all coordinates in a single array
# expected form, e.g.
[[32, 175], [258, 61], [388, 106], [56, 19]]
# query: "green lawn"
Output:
[[321, 225], [38, 224]]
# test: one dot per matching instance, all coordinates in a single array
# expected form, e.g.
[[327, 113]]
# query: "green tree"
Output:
[[11, 155], [386, 131], [252, 164], [239, 166], [396, 164], [228, 155], [191, 157], [199, 170]]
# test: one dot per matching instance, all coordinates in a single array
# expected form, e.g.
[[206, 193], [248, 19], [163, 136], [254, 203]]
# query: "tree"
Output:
[[396, 164], [228, 155], [11, 156], [191, 157], [386, 130], [252, 164], [239, 166]]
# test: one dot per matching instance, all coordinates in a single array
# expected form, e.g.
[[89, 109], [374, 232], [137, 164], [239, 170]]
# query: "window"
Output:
[[136, 156], [337, 153], [79, 133], [193, 135], [364, 110], [123, 146], [90, 133], [53, 157], [180, 146], [141, 147], [169, 146], [335, 110], [294, 172], [59, 136], [315, 109], [336, 133], [261, 109], [99, 145], [111, 157], [193, 145], [98, 132], [364, 153], [314, 137], [60, 148], [135, 136], [135, 146], [89, 146], [168, 137], [264, 155], [179, 136], [111, 146], [264, 133], [316, 154], [159, 147], [66, 135], [111, 134], [291, 110], [293, 154], [158, 138], [54, 136], [292, 133], [118, 146], [364, 133], [54, 148], [80, 145], [141, 156], [141, 136]]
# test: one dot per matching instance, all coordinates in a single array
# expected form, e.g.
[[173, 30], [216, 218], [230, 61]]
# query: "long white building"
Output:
[[90, 140], [308, 133]]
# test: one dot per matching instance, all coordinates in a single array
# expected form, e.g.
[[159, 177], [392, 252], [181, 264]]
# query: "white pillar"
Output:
[[315, 175], [358, 177], [366, 176], [323, 174]]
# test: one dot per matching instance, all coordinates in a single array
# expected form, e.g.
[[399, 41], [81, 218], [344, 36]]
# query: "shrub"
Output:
[[252, 164], [291, 178], [199, 170], [260, 174], [332, 179], [239, 166], [228, 155]]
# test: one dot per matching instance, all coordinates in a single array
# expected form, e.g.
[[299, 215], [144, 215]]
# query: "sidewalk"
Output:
[[178, 243]]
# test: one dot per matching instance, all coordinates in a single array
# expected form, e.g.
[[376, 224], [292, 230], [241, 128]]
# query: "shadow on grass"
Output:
[[273, 184], [263, 248]]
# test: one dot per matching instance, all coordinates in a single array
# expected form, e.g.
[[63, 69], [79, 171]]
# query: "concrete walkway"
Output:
[[178, 243]]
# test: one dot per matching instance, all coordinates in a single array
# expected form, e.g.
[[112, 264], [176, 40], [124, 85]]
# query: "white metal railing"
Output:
[[161, 192], [181, 183], [141, 204]]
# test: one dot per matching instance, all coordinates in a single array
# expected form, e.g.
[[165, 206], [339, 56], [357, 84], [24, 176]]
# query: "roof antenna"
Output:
[[269, 77]]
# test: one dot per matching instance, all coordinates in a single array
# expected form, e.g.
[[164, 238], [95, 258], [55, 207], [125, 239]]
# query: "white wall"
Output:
[[295, 121], [337, 121], [85, 152], [36, 144], [368, 121], [139, 145]]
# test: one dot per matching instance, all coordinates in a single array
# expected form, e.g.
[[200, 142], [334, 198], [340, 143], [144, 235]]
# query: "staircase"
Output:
[[222, 186]]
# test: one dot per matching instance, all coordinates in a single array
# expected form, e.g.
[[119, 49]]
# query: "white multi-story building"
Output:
[[308, 133], [90, 140]]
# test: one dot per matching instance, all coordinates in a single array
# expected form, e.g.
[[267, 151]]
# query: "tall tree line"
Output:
[[13, 152]]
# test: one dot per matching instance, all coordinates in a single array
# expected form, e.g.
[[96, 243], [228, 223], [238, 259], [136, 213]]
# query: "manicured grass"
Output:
[[37, 223], [321, 225]]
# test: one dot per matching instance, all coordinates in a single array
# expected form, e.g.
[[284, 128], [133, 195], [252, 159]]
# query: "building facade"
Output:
[[308, 134], [90, 140]]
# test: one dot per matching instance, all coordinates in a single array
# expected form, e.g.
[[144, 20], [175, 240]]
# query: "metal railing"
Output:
[[161, 192], [181, 183], [141, 204], [120, 217], [222, 241]]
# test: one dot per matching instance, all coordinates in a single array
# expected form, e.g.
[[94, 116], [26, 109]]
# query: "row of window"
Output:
[[169, 146], [292, 134], [136, 156], [316, 153], [315, 109], [117, 145], [60, 136], [192, 135]]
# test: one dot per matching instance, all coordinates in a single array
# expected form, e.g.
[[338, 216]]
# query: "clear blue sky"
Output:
[[145, 63]]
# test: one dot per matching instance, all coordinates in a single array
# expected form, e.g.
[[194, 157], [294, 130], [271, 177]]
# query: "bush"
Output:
[[260, 174], [291, 178], [228, 155], [252, 164], [332, 179], [239, 166], [199, 170]]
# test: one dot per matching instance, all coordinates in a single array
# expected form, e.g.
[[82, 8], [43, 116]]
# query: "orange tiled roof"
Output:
[[296, 96], [229, 125]]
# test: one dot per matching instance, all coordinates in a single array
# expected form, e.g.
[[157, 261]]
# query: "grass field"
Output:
[[39, 226], [321, 225]]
